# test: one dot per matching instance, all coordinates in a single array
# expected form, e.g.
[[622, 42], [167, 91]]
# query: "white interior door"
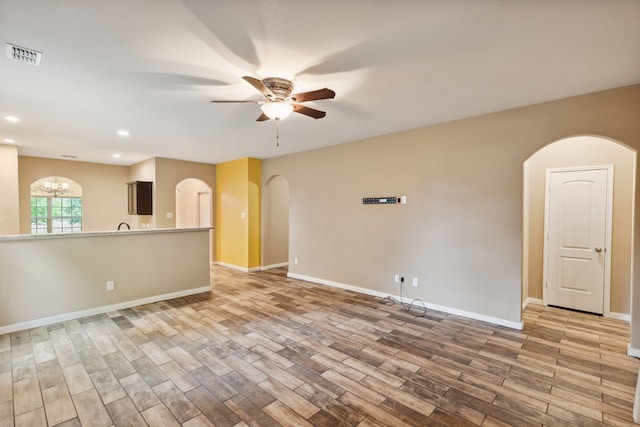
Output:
[[577, 231]]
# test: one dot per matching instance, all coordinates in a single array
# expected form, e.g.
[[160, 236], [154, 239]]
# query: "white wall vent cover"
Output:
[[23, 54]]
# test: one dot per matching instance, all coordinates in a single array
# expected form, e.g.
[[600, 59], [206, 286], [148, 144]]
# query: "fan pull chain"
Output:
[[277, 132]]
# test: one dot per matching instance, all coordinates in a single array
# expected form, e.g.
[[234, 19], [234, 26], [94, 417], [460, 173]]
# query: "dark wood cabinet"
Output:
[[140, 197]]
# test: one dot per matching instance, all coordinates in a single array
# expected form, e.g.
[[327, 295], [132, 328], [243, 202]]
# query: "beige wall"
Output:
[[104, 190], [275, 198], [9, 190], [460, 233], [583, 151], [169, 173], [71, 278]]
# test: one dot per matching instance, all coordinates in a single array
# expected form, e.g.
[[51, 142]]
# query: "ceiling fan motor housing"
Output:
[[281, 88]]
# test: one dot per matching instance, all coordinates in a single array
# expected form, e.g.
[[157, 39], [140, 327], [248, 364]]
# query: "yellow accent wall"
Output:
[[255, 228], [238, 213]]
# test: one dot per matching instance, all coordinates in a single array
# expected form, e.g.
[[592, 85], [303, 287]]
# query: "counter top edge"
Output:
[[99, 233]]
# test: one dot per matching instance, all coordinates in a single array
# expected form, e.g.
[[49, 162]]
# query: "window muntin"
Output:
[[56, 214]]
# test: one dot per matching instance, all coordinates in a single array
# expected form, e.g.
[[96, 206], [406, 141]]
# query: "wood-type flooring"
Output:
[[264, 350]]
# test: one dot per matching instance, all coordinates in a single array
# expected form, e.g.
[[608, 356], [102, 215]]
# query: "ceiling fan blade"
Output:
[[260, 86], [313, 95], [254, 102], [262, 118], [311, 112]]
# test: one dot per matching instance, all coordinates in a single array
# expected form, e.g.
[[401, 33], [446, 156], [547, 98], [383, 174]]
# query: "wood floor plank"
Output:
[[90, 409], [26, 396], [285, 415], [264, 349], [34, 418], [159, 416], [139, 392], [218, 413], [290, 398], [123, 412], [248, 412], [6, 414], [58, 405], [178, 404], [107, 385]]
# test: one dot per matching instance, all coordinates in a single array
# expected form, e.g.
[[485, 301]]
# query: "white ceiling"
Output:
[[152, 66]]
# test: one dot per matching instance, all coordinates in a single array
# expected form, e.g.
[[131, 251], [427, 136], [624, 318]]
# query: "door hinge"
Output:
[[546, 284]]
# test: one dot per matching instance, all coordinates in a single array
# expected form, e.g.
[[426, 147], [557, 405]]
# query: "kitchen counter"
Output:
[[99, 233], [50, 278]]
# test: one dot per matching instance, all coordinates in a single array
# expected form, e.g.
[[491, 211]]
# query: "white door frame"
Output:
[[606, 309]]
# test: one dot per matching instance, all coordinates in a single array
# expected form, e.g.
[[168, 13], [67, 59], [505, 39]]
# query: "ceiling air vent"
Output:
[[23, 54]]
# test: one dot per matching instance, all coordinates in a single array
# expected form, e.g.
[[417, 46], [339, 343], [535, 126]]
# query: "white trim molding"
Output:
[[434, 307], [610, 315], [99, 310], [633, 352], [618, 316], [534, 301], [239, 268], [270, 266]]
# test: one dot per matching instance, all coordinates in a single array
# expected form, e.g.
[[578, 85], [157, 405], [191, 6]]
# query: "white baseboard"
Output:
[[237, 267], [535, 301], [435, 307], [98, 310], [619, 316], [270, 266], [633, 352], [610, 315]]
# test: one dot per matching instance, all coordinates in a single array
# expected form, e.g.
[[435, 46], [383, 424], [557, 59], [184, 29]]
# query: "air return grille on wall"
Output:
[[22, 54]]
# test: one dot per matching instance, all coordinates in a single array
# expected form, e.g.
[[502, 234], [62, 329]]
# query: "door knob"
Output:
[[598, 249]]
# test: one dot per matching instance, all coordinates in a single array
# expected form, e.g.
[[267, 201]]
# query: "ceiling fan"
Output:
[[278, 101]]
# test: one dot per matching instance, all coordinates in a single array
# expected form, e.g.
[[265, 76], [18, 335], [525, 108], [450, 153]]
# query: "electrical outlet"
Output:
[[397, 278], [415, 282], [110, 285], [295, 261]]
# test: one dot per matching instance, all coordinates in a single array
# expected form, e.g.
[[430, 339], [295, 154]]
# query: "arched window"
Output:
[[56, 206]]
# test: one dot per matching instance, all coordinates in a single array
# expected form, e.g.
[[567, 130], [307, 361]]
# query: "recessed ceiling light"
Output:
[[123, 133], [9, 141], [117, 156], [11, 119]]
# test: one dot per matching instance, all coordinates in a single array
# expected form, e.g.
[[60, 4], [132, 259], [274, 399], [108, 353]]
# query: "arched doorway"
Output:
[[580, 151], [193, 208], [193, 204], [275, 199]]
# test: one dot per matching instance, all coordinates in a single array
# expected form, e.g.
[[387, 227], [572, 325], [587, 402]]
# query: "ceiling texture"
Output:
[[153, 66]]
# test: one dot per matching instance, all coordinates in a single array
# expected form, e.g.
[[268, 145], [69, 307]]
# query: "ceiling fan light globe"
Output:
[[277, 110]]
